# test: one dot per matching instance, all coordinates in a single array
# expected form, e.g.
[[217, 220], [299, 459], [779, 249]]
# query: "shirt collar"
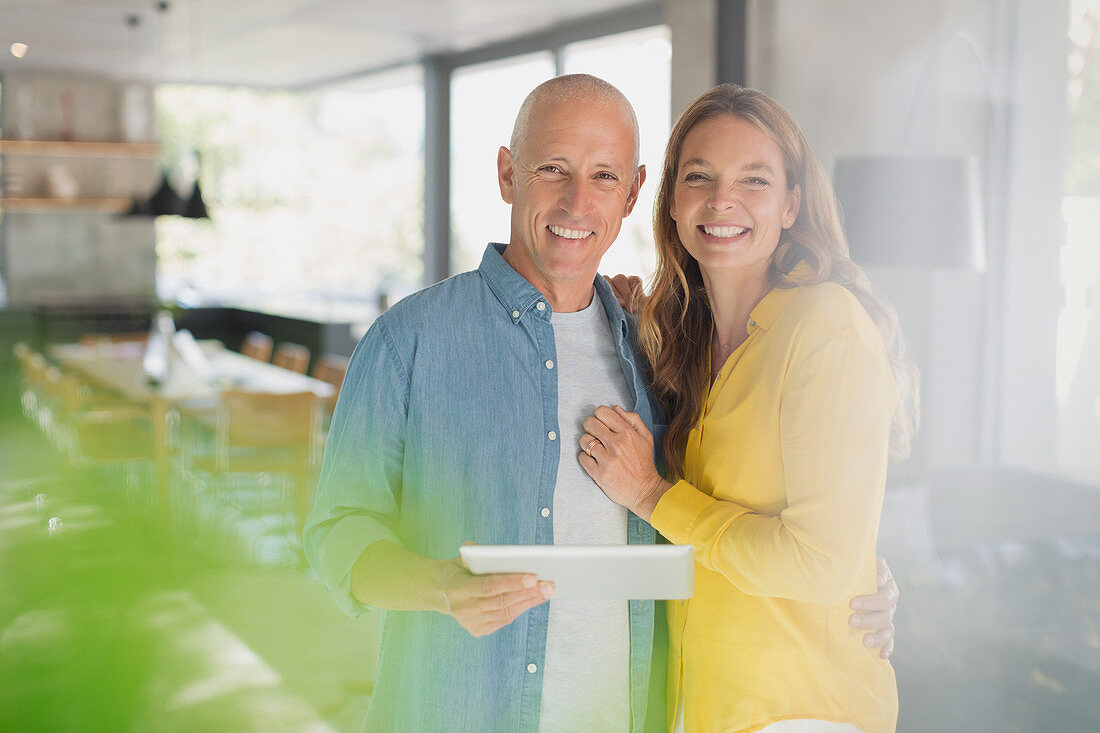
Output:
[[519, 297], [772, 304], [514, 292]]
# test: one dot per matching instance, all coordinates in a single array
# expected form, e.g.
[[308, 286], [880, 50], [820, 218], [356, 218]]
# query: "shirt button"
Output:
[[532, 668], [540, 305], [549, 364], [552, 435], [545, 512], [515, 314], [752, 322]]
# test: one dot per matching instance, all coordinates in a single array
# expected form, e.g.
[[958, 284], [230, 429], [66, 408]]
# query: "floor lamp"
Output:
[[921, 213]]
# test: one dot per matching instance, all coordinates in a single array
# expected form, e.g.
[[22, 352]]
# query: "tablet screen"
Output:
[[594, 572]]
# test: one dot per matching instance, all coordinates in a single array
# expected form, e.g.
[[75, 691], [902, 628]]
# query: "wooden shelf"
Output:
[[79, 148], [31, 204]]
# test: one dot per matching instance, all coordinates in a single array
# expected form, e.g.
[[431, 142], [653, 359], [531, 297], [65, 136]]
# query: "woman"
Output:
[[781, 375]]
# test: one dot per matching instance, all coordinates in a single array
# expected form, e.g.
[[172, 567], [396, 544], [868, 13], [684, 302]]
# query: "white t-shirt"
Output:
[[586, 685]]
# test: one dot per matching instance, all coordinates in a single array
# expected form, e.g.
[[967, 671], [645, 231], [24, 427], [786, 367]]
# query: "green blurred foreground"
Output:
[[110, 622]]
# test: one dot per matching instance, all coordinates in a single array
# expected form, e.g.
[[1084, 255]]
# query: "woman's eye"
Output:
[[756, 182], [694, 177]]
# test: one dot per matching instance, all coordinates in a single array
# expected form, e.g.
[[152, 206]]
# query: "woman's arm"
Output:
[[835, 417]]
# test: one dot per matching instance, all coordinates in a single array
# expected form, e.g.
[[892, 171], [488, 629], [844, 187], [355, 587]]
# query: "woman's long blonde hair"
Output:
[[676, 325]]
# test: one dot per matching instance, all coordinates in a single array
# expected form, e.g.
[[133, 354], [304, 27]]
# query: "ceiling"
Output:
[[266, 43]]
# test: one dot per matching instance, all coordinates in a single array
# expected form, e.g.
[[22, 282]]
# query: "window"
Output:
[[484, 101], [316, 194], [638, 63], [1078, 356]]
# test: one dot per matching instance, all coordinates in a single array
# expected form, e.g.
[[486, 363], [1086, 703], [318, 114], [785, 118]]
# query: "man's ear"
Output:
[[506, 174], [635, 187]]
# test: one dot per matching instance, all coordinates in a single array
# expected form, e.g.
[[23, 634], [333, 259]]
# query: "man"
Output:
[[459, 421]]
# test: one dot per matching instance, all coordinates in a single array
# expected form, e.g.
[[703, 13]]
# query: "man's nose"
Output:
[[576, 199]]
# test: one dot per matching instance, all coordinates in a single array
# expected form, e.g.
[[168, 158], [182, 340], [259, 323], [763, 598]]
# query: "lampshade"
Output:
[[195, 207], [921, 212], [165, 201]]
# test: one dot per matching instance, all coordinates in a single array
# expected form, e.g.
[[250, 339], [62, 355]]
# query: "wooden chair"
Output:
[[332, 369], [258, 435], [257, 345], [96, 431], [28, 398], [294, 357], [92, 339]]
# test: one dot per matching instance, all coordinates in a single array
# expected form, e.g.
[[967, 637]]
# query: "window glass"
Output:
[[309, 194], [484, 101], [1078, 358], [638, 63]]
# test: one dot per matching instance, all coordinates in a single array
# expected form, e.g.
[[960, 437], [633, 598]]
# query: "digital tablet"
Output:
[[594, 572]]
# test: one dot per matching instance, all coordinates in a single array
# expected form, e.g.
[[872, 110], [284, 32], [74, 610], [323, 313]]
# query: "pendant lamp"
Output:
[[165, 201], [139, 205], [195, 207]]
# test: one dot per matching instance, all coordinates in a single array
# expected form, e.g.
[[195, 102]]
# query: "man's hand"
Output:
[[388, 576], [628, 291], [484, 603], [876, 612]]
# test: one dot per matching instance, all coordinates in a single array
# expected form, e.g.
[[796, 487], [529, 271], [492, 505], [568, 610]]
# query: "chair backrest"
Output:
[[92, 339], [294, 357], [257, 345], [25, 355], [267, 419], [332, 369]]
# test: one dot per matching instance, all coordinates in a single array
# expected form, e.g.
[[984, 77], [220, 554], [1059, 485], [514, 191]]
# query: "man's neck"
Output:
[[568, 296]]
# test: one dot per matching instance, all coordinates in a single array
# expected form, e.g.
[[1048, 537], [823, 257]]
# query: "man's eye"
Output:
[[550, 169], [607, 176]]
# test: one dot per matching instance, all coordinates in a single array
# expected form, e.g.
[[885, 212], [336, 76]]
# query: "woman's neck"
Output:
[[732, 295]]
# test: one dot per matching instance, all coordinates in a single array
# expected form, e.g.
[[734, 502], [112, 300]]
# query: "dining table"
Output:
[[119, 367]]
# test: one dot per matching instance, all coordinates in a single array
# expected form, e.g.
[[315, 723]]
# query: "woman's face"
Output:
[[731, 201]]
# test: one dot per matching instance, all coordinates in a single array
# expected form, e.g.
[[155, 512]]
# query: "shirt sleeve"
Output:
[[359, 489], [836, 408]]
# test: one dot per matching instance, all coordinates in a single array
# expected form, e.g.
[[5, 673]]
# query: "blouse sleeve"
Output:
[[836, 407]]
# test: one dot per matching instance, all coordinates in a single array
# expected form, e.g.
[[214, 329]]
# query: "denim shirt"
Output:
[[445, 431]]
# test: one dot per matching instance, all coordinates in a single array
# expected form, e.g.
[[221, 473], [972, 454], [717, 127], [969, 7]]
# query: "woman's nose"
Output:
[[722, 198]]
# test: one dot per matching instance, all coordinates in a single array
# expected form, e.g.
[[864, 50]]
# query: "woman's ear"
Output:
[[794, 202]]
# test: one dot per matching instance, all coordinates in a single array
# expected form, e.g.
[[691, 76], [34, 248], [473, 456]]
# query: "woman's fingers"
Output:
[[633, 419]]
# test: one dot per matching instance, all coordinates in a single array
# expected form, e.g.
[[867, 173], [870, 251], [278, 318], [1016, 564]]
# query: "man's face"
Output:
[[570, 185]]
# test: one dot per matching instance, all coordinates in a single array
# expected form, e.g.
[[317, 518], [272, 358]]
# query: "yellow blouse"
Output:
[[783, 480]]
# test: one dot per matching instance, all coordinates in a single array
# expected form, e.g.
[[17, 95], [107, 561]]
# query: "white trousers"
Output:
[[785, 726]]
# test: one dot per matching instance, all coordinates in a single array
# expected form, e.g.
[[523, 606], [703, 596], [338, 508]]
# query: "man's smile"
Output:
[[569, 233]]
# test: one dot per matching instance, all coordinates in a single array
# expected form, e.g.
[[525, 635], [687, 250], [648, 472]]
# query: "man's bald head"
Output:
[[567, 88]]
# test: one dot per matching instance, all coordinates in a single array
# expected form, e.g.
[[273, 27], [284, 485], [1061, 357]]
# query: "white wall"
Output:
[[849, 71], [64, 256]]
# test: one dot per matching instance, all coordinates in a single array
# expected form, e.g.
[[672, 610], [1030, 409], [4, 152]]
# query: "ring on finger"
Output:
[[592, 444]]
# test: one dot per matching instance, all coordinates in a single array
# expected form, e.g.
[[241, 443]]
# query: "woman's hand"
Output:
[[617, 452], [629, 291]]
